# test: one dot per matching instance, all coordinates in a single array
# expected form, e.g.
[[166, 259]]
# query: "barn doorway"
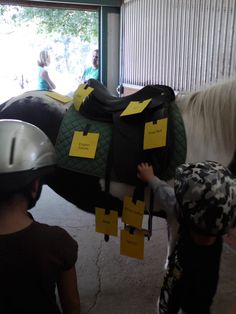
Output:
[[69, 34]]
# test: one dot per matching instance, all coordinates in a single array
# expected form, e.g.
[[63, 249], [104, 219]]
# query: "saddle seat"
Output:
[[101, 105]]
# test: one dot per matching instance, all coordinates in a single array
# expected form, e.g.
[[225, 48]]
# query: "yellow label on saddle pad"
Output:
[[155, 134], [132, 245], [132, 213], [81, 92], [107, 224], [135, 107], [84, 145], [59, 97]]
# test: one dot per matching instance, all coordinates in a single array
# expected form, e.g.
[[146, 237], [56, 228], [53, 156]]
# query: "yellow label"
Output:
[[84, 145], [80, 93], [59, 97], [132, 245], [155, 134], [135, 107], [107, 224], [132, 213]]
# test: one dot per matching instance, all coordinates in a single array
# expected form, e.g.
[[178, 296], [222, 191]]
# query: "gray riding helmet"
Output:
[[26, 153], [206, 193]]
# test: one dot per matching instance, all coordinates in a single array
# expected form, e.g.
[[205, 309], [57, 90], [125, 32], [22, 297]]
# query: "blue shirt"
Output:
[[42, 84], [89, 73]]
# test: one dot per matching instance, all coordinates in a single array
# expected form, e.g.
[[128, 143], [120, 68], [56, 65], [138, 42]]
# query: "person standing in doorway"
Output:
[[93, 70], [44, 81]]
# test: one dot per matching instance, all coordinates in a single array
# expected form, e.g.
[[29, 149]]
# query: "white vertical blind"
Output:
[[180, 43]]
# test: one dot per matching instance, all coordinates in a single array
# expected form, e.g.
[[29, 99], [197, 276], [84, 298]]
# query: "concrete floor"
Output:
[[110, 283]]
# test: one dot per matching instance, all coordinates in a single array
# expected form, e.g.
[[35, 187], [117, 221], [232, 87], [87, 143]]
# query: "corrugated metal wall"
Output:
[[180, 43]]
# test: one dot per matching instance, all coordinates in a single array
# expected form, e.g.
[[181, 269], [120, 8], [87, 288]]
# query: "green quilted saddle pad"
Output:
[[74, 121]]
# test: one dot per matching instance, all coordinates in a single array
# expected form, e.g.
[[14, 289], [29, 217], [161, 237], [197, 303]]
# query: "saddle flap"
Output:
[[128, 137]]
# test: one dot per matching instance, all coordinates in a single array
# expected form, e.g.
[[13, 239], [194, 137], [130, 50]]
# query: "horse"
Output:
[[208, 115]]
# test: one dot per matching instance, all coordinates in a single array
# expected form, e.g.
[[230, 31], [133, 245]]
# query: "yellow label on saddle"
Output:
[[155, 134], [132, 213], [81, 92], [132, 245], [135, 107], [59, 97], [84, 145], [107, 224]]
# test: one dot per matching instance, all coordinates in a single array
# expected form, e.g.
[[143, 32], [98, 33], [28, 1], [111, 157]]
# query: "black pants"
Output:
[[192, 277]]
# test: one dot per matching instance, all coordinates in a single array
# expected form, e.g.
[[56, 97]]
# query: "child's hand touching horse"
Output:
[[145, 172]]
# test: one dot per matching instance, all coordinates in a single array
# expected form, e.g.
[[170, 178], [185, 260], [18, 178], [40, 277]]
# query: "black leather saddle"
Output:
[[101, 105], [128, 131]]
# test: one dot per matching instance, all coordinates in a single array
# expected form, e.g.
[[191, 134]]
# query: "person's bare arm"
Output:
[[46, 77], [68, 292]]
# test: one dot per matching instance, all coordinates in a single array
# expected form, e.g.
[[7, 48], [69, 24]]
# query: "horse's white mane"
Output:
[[210, 120]]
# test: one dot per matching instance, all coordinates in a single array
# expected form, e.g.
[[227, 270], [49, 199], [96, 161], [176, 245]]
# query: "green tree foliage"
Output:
[[83, 24]]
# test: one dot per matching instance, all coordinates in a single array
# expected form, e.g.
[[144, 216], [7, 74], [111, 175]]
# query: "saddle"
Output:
[[120, 146], [126, 149], [101, 105]]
